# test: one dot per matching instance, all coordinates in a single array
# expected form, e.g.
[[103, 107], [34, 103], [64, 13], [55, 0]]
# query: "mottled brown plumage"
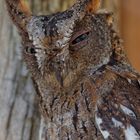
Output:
[[86, 86]]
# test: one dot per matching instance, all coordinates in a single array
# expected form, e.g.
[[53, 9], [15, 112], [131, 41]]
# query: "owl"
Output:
[[87, 88]]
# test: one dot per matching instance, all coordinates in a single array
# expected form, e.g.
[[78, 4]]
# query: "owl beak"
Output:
[[59, 77]]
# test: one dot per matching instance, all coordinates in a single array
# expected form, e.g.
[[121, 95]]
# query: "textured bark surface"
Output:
[[19, 116]]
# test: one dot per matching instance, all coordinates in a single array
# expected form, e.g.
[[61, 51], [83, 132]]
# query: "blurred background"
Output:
[[19, 116]]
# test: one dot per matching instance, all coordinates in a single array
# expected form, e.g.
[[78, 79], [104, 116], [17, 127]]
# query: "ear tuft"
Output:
[[93, 6], [23, 6], [19, 13], [107, 15], [109, 18]]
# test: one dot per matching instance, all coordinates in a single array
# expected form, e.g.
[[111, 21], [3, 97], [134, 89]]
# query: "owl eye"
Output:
[[30, 50], [80, 38]]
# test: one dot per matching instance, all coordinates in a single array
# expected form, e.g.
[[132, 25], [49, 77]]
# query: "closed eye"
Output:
[[80, 38], [33, 50]]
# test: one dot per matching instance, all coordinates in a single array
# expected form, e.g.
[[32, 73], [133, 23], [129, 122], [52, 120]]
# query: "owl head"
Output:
[[63, 47]]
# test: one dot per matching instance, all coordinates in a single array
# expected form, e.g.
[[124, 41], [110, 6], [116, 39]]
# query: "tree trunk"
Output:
[[19, 115]]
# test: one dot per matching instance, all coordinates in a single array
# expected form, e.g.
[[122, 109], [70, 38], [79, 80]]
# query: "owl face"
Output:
[[62, 47], [50, 36], [65, 47]]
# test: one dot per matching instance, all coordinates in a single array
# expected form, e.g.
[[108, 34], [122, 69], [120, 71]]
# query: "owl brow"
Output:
[[39, 48], [55, 50]]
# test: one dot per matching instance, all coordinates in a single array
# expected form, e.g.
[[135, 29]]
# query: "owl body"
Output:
[[87, 89], [96, 107]]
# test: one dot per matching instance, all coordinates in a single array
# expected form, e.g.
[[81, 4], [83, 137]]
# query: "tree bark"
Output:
[[19, 115]]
